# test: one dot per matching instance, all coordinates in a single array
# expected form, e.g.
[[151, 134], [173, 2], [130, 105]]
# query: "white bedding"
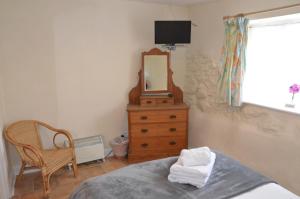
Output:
[[268, 191]]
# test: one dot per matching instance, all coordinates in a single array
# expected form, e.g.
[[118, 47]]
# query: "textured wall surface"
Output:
[[261, 138], [201, 91]]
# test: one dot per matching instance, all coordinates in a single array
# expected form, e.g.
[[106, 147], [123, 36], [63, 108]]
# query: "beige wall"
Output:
[[72, 63], [263, 139]]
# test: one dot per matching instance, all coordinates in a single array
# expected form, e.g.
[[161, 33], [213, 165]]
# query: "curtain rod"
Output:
[[261, 11]]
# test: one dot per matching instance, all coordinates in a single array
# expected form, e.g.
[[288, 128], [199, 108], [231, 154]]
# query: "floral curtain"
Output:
[[234, 60]]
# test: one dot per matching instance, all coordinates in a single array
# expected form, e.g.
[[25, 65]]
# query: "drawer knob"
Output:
[[144, 130], [172, 129], [144, 145], [164, 101], [144, 118], [149, 102], [172, 116], [172, 143]]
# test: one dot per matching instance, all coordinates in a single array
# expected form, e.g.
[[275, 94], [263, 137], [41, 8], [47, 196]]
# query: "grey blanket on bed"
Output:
[[149, 181]]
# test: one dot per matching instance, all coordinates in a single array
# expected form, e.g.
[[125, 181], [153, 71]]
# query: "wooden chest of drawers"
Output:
[[156, 132]]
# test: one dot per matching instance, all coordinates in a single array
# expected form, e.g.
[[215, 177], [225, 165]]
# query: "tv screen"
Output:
[[173, 32]]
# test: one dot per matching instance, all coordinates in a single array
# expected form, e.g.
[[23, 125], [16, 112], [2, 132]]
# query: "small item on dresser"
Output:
[[193, 175], [196, 157]]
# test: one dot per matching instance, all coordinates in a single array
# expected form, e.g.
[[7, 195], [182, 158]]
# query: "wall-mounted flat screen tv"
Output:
[[173, 32]]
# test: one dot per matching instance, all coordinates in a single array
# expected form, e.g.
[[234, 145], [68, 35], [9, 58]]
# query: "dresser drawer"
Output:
[[148, 102], [166, 101], [158, 144], [156, 100], [158, 129], [146, 156], [158, 116]]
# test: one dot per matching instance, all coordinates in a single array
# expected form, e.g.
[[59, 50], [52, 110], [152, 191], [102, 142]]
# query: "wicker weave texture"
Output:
[[24, 135]]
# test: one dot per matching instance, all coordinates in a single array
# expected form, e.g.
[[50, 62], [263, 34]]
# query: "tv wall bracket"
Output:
[[171, 47]]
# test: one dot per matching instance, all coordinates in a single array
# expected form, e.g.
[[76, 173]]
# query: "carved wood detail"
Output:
[[137, 91]]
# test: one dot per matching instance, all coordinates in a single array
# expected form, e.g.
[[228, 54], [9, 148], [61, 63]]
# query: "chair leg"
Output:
[[21, 171], [74, 167], [46, 180]]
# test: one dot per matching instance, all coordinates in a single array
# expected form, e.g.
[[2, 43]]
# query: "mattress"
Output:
[[271, 190]]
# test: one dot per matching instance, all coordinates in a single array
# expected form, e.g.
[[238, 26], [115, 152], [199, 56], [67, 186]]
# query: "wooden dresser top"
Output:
[[153, 108]]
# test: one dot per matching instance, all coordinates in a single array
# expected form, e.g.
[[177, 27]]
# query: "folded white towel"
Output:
[[197, 183], [196, 157], [185, 175], [199, 171], [195, 175]]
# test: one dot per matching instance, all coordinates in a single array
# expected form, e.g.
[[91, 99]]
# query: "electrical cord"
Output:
[[108, 154]]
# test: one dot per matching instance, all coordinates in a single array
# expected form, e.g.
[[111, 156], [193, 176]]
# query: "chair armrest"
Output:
[[35, 155], [58, 131], [65, 133]]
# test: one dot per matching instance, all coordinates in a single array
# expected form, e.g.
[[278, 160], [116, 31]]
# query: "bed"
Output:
[[271, 190], [148, 180]]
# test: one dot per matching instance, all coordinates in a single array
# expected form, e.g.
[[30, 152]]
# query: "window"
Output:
[[273, 62]]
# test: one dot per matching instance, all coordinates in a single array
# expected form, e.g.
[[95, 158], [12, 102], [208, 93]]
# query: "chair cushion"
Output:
[[57, 158]]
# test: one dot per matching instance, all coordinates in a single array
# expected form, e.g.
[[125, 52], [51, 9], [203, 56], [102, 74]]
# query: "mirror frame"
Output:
[[137, 91], [156, 51]]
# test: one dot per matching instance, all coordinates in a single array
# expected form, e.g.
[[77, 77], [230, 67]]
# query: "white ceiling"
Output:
[[175, 2]]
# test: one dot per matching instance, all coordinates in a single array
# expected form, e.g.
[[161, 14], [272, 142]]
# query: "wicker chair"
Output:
[[25, 136]]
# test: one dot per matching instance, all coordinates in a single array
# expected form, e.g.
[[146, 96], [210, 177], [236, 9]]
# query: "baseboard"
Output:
[[107, 153], [18, 167], [12, 186]]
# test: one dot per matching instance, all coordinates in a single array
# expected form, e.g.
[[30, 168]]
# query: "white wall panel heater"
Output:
[[89, 149]]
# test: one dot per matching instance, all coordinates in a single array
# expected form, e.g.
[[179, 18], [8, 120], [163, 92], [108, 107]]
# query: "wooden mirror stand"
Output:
[[173, 91], [157, 120]]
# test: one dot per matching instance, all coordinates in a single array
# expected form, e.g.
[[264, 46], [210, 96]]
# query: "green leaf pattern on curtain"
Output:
[[234, 60]]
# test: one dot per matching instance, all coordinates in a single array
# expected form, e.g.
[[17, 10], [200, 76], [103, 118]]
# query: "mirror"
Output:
[[155, 72], [155, 78]]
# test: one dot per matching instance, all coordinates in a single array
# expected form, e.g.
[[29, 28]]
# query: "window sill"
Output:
[[295, 110]]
